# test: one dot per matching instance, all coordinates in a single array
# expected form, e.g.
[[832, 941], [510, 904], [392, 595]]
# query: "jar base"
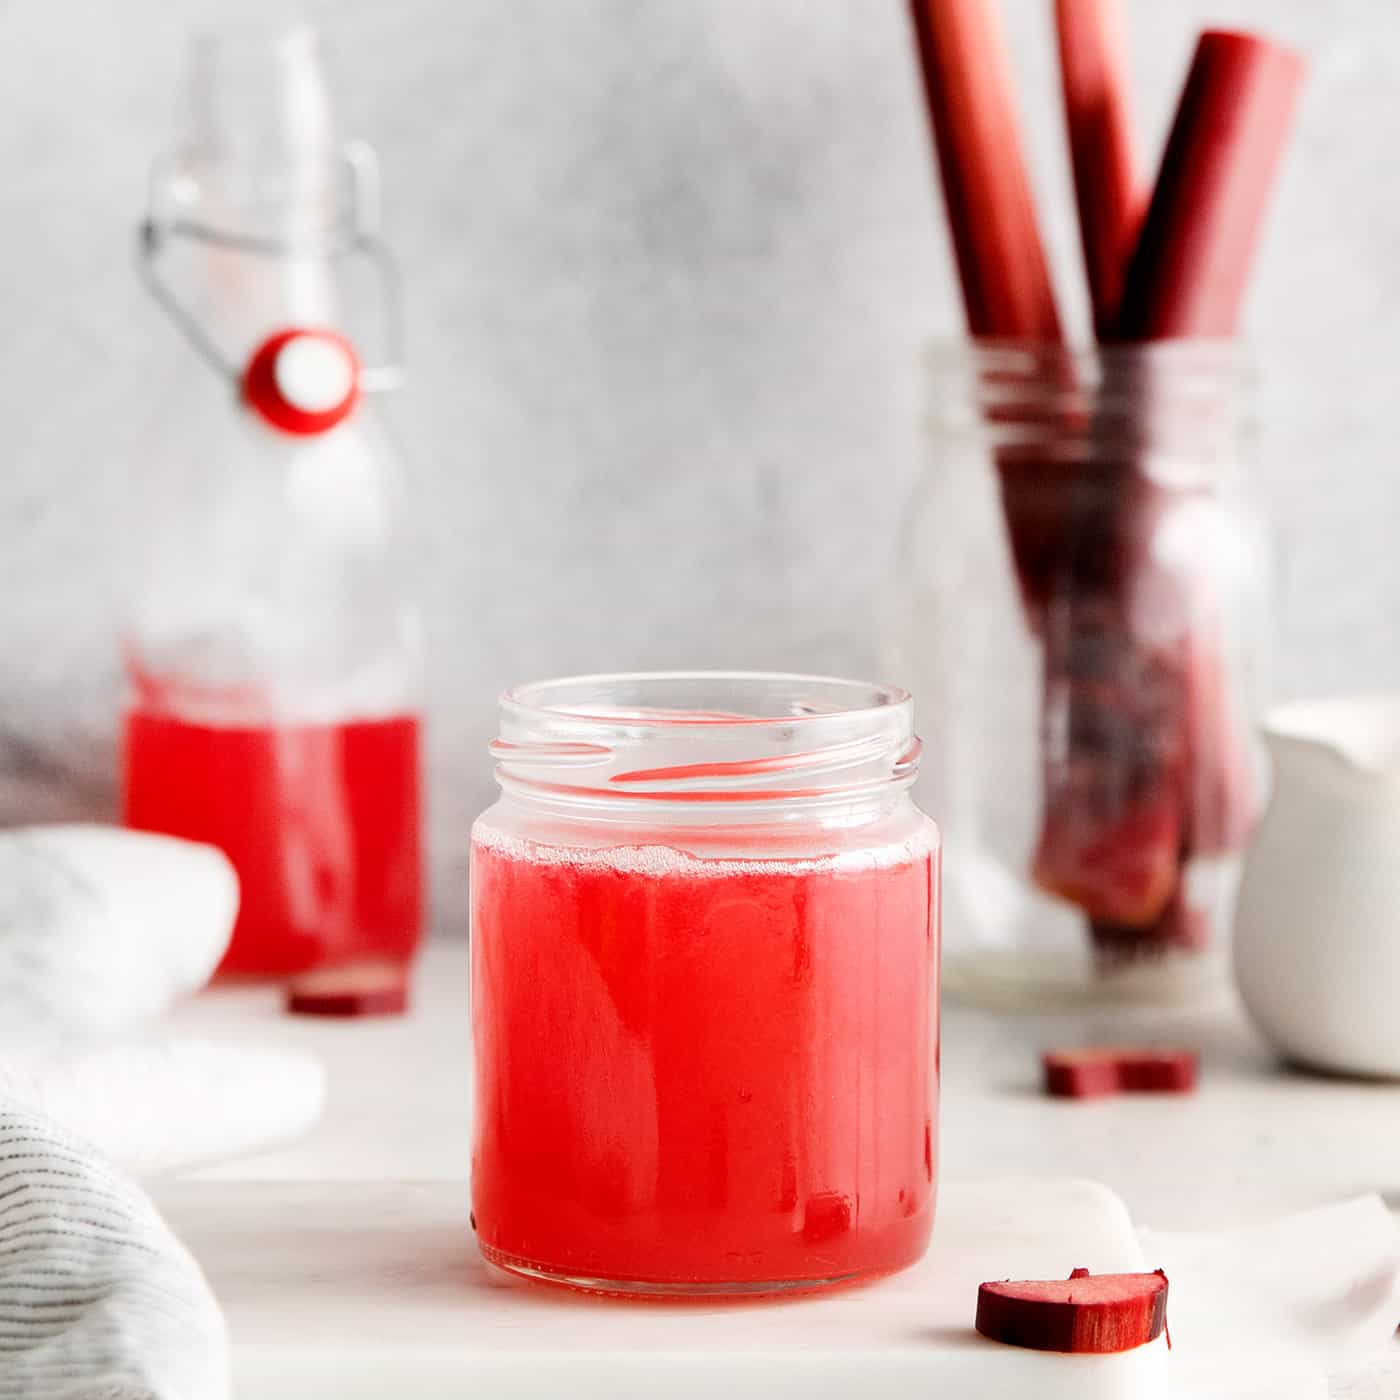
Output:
[[1020, 980], [670, 1290]]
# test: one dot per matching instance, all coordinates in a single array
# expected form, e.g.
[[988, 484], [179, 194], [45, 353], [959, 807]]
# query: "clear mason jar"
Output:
[[1082, 607], [704, 986]]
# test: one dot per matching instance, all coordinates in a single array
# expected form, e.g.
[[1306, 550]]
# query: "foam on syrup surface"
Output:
[[661, 861]]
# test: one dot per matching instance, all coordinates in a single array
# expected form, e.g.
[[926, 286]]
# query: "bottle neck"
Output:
[[241, 298], [258, 178]]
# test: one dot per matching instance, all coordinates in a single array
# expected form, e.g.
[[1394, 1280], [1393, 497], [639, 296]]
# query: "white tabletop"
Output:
[[1253, 1142]]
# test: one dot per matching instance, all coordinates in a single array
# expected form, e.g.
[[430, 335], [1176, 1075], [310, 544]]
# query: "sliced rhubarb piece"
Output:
[[1086, 1313], [1188, 273], [355, 989], [1094, 1071], [1093, 74]]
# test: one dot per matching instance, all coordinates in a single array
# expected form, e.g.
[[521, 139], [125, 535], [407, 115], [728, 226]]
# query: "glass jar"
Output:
[[271, 640], [704, 986], [1082, 606]]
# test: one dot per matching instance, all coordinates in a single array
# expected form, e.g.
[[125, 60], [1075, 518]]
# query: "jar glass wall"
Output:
[[1082, 607], [704, 963]]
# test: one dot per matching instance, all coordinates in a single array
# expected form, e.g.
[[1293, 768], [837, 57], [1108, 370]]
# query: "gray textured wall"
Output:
[[670, 266]]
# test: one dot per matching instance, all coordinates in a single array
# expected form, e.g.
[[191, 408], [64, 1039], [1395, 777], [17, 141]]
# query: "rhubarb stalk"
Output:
[[1002, 267], [1124, 811], [1188, 273], [991, 213], [1099, 126]]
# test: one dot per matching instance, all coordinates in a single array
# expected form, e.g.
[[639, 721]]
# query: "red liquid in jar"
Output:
[[700, 1072], [321, 821]]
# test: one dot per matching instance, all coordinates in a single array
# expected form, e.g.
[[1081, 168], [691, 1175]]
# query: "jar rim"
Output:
[[1180, 410], [1228, 356], [529, 699], [705, 737]]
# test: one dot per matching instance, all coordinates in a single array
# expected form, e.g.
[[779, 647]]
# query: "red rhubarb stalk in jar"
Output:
[[1002, 266], [1109, 819]]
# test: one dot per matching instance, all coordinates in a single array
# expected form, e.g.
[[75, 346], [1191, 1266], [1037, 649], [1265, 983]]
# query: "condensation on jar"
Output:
[[705, 944]]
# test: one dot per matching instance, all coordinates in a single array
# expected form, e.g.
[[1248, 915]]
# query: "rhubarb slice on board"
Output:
[[1085, 1313]]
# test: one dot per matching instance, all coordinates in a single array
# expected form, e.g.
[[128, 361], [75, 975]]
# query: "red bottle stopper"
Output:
[[303, 381]]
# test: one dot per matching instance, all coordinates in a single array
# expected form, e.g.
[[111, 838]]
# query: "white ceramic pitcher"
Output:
[[1317, 941]]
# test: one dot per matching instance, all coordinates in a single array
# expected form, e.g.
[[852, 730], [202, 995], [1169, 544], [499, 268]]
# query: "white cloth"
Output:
[[162, 1106], [103, 929], [98, 1300], [1287, 1310]]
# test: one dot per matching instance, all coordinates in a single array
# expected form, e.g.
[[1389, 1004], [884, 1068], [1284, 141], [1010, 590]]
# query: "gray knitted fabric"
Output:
[[98, 1300]]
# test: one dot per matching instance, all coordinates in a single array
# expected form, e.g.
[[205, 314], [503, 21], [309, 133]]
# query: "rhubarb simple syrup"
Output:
[[321, 821], [272, 639], [704, 1075]]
